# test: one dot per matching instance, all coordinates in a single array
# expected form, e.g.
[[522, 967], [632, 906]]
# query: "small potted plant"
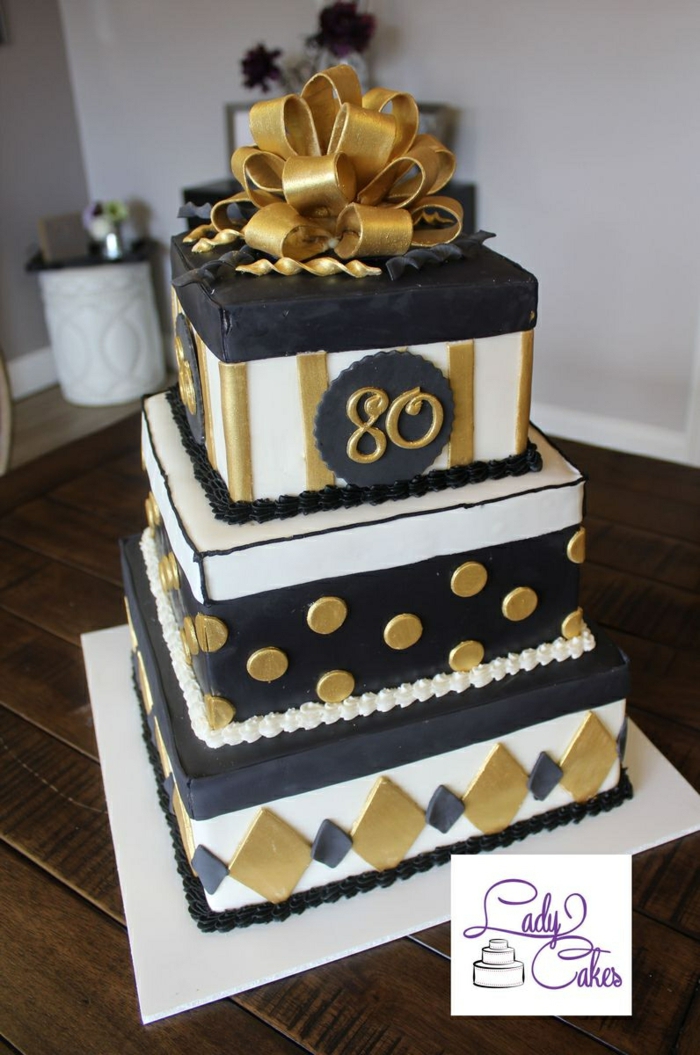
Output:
[[103, 222]]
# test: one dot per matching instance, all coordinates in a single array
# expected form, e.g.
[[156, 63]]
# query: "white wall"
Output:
[[41, 171], [578, 121]]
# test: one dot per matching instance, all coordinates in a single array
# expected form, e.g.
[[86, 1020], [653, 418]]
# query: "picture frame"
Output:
[[437, 119], [237, 127]]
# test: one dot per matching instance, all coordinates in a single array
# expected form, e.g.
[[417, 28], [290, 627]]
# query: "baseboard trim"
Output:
[[32, 373], [634, 437]]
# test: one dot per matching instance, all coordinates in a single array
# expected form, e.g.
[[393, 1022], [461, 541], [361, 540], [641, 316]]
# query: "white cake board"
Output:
[[177, 967]]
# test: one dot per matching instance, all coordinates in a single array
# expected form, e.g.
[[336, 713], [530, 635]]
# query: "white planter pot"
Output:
[[104, 332]]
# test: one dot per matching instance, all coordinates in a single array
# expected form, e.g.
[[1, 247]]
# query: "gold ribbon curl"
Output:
[[335, 170]]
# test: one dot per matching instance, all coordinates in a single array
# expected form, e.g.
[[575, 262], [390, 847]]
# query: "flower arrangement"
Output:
[[343, 29], [343, 32], [102, 221]]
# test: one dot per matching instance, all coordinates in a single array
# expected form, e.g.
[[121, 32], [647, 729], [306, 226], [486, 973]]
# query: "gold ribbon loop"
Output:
[[284, 127], [325, 93], [403, 180], [319, 186], [447, 162], [368, 230], [366, 136], [279, 230], [219, 213], [260, 172], [431, 211], [404, 110]]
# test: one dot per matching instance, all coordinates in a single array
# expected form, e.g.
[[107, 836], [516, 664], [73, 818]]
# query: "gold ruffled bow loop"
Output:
[[333, 169]]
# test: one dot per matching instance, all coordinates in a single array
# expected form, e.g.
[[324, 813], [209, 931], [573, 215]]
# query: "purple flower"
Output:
[[342, 29], [258, 67]]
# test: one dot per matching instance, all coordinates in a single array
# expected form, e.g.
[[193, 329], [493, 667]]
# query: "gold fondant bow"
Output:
[[332, 169]]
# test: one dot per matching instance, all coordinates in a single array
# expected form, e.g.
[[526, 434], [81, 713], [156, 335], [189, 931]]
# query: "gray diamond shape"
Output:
[[331, 844], [544, 777], [209, 868], [444, 809]]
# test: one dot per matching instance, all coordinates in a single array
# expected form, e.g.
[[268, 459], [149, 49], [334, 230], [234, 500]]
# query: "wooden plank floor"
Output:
[[66, 983], [45, 421]]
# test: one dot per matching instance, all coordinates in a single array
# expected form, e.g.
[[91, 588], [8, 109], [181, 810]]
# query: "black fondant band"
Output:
[[212, 782], [263, 510], [209, 921], [247, 317], [373, 598]]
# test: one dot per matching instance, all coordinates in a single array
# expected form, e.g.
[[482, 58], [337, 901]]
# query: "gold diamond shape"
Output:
[[496, 793], [388, 826], [587, 759], [184, 824], [272, 857]]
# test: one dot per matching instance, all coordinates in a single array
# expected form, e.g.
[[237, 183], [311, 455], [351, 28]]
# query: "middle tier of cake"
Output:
[[293, 617]]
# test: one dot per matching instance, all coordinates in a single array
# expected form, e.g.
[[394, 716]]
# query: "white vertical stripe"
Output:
[[496, 375]]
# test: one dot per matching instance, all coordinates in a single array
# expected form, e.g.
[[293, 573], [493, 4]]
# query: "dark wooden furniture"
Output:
[[66, 984]]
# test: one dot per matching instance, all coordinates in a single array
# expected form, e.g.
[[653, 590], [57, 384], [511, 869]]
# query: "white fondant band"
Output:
[[342, 803], [312, 714], [276, 423], [243, 560]]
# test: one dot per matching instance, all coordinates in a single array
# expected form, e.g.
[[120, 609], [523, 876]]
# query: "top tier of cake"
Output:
[[299, 384]]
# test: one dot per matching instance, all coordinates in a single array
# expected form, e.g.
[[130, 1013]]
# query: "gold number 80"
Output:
[[376, 402]]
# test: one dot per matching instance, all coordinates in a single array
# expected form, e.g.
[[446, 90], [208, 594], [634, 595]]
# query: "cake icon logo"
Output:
[[498, 968], [555, 930]]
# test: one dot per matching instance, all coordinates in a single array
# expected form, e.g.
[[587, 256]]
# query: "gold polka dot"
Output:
[[212, 633], [169, 572], [179, 349], [185, 647], [190, 635], [466, 655], [220, 711], [576, 547], [335, 686], [403, 631], [572, 626], [267, 664], [519, 603], [469, 579], [164, 574], [173, 572], [327, 614], [152, 512]]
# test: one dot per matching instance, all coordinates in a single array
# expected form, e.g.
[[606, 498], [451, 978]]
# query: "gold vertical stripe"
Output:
[[174, 304], [206, 399], [234, 408], [522, 411], [312, 373], [460, 358]]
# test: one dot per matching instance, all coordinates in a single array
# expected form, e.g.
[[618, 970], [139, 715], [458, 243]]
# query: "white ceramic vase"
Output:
[[104, 332]]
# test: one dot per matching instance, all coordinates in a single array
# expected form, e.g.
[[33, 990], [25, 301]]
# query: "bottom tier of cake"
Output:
[[277, 826]]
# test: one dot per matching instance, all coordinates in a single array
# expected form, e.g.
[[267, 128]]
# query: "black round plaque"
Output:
[[385, 418], [189, 382]]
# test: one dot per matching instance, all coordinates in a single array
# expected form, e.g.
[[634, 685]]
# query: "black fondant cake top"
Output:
[[245, 317]]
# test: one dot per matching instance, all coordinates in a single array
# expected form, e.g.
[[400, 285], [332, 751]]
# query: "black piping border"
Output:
[[332, 497]]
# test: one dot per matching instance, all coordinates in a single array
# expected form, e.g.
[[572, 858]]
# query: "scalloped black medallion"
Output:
[[385, 418], [189, 380]]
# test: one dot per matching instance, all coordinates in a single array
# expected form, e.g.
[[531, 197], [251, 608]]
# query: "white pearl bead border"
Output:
[[311, 715]]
